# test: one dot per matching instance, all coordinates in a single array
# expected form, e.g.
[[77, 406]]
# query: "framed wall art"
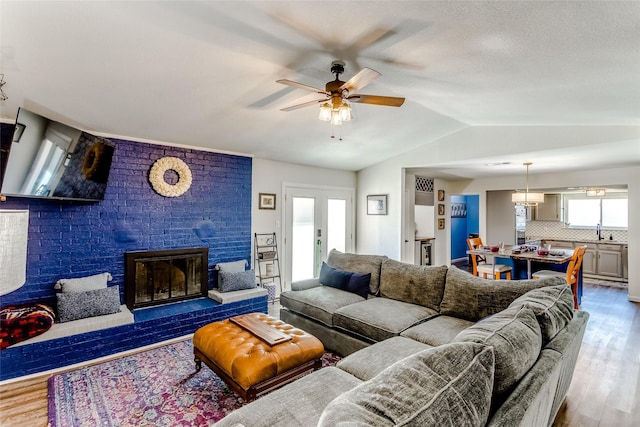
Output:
[[266, 201], [440, 223], [441, 195], [440, 209], [377, 204]]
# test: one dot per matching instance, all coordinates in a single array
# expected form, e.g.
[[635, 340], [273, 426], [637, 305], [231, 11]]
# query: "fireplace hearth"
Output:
[[165, 276]]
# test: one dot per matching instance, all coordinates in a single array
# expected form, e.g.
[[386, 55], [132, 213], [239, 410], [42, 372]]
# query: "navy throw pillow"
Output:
[[359, 284], [333, 277]]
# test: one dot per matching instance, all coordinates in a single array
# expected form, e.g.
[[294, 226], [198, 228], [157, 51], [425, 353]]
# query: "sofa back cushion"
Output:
[[358, 264], [416, 284], [472, 298], [516, 339], [553, 307], [446, 385]]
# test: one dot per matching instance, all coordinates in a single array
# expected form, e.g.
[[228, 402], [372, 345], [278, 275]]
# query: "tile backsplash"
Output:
[[558, 230]]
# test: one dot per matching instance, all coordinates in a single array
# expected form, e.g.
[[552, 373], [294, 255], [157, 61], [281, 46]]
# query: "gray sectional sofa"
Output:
[[428, 346]]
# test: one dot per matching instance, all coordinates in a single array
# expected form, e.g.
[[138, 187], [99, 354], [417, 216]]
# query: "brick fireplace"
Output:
[[165, 276]]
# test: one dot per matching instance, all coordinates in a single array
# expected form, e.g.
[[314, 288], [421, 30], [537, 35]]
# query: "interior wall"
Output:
[[270, 176], [501, 218]]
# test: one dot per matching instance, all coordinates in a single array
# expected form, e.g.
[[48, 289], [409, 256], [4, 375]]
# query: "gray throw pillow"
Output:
[[232, 267], [236, 281], [416, 284], [83, 284], [79, 305], [553, 307], [516, 339], [446, 385], [472, 298]]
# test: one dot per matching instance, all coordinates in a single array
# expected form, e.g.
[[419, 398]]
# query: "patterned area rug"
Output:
[[157, 388]]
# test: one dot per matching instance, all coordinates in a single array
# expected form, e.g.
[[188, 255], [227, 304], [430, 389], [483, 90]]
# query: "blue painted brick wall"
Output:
[[72, 239]]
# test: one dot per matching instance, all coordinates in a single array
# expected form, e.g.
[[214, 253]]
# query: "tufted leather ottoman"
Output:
[[247, 363]]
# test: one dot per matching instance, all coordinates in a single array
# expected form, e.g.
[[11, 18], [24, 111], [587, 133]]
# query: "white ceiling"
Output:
[[202, 73]]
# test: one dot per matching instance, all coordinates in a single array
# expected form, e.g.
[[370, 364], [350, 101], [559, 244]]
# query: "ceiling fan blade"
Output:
[[360, 80], [304, 104], [390, 101], [301, 86]]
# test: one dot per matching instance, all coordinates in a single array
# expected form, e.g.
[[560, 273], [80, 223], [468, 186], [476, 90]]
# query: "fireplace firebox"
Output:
[[165, 276]]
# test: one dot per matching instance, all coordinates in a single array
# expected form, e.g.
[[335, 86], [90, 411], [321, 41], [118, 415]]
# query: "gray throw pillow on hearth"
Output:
[[236, 281], [79, 305]]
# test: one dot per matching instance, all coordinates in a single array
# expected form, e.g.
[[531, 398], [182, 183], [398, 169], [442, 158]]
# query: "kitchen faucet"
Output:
[[599, 232]]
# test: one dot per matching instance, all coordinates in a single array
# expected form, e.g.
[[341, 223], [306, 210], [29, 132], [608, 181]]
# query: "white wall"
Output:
[[384, 235], [269, 176]]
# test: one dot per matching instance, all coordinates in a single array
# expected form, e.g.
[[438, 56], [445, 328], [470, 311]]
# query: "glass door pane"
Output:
[[336, 224], [303, 238]]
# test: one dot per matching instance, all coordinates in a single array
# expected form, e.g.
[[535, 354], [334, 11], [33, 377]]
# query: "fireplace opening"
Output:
[[161, 277]]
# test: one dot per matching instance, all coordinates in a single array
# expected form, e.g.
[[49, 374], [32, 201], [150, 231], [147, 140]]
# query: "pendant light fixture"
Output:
[[527, 198]]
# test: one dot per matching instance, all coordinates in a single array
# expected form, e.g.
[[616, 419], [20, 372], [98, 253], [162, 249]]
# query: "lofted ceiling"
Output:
[[203, 73]]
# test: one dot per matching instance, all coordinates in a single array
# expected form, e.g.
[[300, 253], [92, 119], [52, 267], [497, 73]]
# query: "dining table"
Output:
[[528, 254], [517, 255]]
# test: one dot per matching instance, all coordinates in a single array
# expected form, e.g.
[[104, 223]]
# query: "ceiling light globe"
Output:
[[325, 112]]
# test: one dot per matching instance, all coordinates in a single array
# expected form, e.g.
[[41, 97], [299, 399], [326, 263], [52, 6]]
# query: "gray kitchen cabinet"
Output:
[[550, 209], [590, 259], [609, 260]]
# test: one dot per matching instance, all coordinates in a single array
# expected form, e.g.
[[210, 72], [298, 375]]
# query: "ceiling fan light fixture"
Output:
[[336, 119], [325, 112], [345, 112]]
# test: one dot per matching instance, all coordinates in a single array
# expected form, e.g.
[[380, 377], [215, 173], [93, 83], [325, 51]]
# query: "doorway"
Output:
[[465, 221], [316, 221]]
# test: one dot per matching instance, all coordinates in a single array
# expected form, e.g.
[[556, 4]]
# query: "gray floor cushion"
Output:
[[370, 361], [437, 331], [318, 303], [380, 318]]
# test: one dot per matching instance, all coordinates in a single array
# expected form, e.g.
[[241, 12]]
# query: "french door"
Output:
[[316, 221]]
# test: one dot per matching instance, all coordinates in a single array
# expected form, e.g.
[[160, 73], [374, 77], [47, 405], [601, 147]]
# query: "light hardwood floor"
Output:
[[605, 390]]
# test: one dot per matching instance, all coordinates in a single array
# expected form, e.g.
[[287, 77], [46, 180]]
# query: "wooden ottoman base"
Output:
[[248, 364]]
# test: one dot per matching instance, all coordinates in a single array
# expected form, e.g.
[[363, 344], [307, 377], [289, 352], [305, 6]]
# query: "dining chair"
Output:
[[482, 267], [571, 275]]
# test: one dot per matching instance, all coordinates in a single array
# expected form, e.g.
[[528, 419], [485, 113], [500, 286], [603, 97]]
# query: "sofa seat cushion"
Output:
[[370, 361], [417, 284], [472, 298], [358, 264], [438, 330], [380, 318], [552, 305], [318, 303], [516, 339], [448, 385], [297, 404]]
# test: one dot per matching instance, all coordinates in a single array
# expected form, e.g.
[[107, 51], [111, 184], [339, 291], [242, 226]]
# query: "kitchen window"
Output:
[[611, 211]]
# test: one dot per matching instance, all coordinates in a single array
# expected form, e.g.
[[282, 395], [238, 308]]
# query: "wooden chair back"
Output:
[[474, 243], [574, 265]]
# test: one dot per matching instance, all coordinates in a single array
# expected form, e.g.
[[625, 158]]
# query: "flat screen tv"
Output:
[[48, 159]]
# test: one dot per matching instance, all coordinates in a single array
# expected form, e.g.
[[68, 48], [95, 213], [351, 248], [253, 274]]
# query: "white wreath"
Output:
[[162, 187]]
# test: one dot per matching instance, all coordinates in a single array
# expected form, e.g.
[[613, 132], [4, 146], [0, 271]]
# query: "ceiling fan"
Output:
[[337, 94]]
